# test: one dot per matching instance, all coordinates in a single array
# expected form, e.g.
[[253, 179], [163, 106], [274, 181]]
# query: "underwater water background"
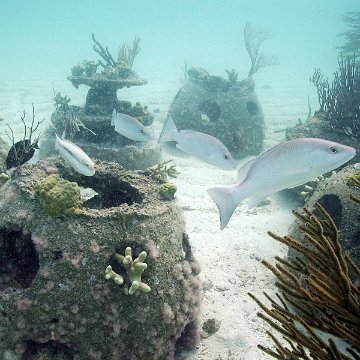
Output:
[[40, 40]]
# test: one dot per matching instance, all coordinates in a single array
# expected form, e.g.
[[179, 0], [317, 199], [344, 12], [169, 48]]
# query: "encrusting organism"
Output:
[[321, 296], [134, 268], [58, 196]]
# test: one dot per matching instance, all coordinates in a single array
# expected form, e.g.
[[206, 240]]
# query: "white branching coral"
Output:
[[134, 268]]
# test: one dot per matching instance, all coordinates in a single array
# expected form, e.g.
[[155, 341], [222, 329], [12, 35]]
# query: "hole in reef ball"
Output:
[[211, 109], [48, 350], [332, 205], [252, 108], [112, 191], [19, 260]]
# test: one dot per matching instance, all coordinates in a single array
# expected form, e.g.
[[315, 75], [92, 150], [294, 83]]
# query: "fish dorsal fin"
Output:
[[169, 131], [184, 132], [243, 171]]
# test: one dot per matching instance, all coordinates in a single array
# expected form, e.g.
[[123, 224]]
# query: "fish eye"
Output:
[[142, 131], [226, 157], [333, 149]]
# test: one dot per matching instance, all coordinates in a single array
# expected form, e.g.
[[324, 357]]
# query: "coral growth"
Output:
[[340, 101], [58, 196], [322, 294], [161, 171], [112, 69], [167, 191], [3, 178], [61, 102], [134, 268], [104, 84], [354, 179], [352, 36], [253, 41]]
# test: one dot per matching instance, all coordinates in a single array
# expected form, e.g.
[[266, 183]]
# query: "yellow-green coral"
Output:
[[3, 178], [354, 179], [134, 268], [167, 190], [58, 196]]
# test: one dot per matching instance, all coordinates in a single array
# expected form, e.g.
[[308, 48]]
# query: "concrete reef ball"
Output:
[[55, 300], [333, 193], [226, 109]]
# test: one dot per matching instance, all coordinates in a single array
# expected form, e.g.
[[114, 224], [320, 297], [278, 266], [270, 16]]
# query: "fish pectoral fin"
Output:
[[178, 146], [243, 171], [299, 184], [299, 178]]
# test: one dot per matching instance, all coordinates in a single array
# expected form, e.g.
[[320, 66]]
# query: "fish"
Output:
[[75, 156], [200, 145], [285, 166], [20, 153], [130, 127]]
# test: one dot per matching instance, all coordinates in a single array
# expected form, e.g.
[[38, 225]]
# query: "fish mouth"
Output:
[[229, 166], [352, 152]]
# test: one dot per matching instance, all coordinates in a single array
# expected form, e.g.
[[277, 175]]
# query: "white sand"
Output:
[[230, 259]]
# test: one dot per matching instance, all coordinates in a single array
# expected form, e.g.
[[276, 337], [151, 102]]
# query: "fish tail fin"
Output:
[[169, 131], [227, 201]]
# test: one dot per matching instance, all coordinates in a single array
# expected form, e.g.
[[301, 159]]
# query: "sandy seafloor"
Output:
[[230, 259]]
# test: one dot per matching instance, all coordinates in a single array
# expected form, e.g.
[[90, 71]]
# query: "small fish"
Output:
[[130, 127], [20, 153], [285, 166], [75, 156], [202, 146]]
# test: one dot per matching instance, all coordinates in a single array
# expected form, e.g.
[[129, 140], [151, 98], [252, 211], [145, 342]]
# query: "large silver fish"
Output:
[[75, 156], [130, 127], [285, 166], [202, 146]]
